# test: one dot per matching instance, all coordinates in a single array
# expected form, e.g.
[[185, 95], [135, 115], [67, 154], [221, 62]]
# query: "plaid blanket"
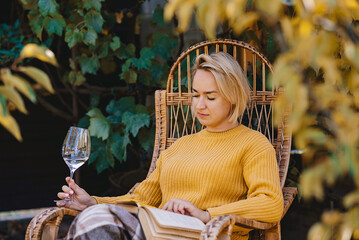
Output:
[[105, 221]]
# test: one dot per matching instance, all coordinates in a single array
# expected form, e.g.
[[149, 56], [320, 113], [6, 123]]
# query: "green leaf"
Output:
[[94, 20], [95, 4], [72, 37], [47, 6], [141, 108], [55, 25], [89, 64], [3, 105], [144, 61], [134, 122], [126, 66], [103, 51], [36, 22], [129, 76], [125, 104], [100, 156], [90, 37], [84, 122], [94, 99], [99, 126], [158, 72], [76, 78], [147, 138], [163, 44], [115, 44], [116, 146], [126, 51], [126, 141], [157, 16]]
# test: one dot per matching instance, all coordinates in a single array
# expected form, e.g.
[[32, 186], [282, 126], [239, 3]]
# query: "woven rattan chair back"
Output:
[[174, 117]]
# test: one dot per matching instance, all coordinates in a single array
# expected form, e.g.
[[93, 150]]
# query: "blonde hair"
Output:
[[231, 82]]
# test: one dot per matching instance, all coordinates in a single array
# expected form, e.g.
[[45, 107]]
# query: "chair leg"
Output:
[[273, 233]]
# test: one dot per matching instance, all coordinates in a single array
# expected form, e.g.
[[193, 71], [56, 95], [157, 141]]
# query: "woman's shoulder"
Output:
[[254, 138]]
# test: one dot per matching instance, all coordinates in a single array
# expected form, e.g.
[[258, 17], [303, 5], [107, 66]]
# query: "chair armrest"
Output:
[[289, 194], [48, 222], [223, 225]]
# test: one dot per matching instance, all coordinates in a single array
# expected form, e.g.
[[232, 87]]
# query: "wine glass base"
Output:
[[65, 202]]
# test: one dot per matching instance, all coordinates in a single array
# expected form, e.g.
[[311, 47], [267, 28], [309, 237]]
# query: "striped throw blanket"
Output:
[[105, 221]]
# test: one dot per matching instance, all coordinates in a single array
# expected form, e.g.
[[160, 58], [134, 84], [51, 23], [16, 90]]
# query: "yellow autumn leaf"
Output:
[[287, 28], [38, 76], [12, 95], [305, 29], [184, 14], [245, 21], [170, 9], [351, 199], [19, 83], [11, 125], [44, 54], [353, 4]]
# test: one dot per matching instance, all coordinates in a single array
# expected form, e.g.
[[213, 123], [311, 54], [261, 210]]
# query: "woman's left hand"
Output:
[[187, 208]]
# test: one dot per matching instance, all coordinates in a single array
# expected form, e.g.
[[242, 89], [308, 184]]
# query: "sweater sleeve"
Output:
[[148, 192], [264, 200]]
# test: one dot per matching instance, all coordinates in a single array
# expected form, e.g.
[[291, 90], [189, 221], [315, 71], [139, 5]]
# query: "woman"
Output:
[[226, 168]]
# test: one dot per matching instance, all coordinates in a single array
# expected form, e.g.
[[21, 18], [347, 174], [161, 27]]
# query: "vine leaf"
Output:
[[55, 25], [115, 44], [94, 20], [116, 146], [90, 37], [99, 126], [95, 4], [89, 64], [48, 6], [72, 37], [134, 122]]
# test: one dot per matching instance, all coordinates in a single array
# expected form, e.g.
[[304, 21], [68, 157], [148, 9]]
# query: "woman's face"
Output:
[[211, 109]]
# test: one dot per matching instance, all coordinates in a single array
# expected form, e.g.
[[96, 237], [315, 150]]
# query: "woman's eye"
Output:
[[211, 99], [195, 95]]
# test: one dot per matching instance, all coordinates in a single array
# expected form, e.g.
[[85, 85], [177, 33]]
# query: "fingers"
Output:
[[71, 183], [177, 206]]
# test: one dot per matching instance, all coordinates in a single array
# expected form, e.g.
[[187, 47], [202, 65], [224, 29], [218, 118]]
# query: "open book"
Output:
[[160, 224]]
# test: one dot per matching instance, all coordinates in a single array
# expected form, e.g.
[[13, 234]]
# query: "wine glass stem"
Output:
[[71, 178]]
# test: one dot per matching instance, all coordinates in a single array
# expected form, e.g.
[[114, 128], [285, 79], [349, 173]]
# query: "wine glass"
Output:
[[76, 150]]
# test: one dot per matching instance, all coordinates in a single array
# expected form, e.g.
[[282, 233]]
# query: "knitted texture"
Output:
[[231, 172]]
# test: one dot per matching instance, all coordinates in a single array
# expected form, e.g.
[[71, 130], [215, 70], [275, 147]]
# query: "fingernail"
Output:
[[71, 192], [67, 195]]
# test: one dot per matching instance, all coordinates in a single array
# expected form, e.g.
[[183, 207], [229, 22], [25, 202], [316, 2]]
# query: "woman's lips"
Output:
[[201, 115]]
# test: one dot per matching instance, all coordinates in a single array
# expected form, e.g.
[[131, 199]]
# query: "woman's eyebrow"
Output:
[[207, 92]]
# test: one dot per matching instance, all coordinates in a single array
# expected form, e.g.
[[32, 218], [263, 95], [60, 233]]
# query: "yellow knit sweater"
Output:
[[231, 172]]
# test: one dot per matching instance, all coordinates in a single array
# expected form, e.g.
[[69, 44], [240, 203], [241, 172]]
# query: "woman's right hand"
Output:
[[80, 198]]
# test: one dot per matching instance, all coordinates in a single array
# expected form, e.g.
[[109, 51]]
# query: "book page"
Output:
[[175, 220]]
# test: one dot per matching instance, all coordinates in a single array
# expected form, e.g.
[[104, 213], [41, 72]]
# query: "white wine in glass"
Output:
[[76, 150]]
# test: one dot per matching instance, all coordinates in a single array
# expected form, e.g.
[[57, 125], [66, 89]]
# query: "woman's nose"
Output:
[[200, 104]]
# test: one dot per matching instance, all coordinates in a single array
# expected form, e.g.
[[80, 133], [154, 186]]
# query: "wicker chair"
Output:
[[174, 119]]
